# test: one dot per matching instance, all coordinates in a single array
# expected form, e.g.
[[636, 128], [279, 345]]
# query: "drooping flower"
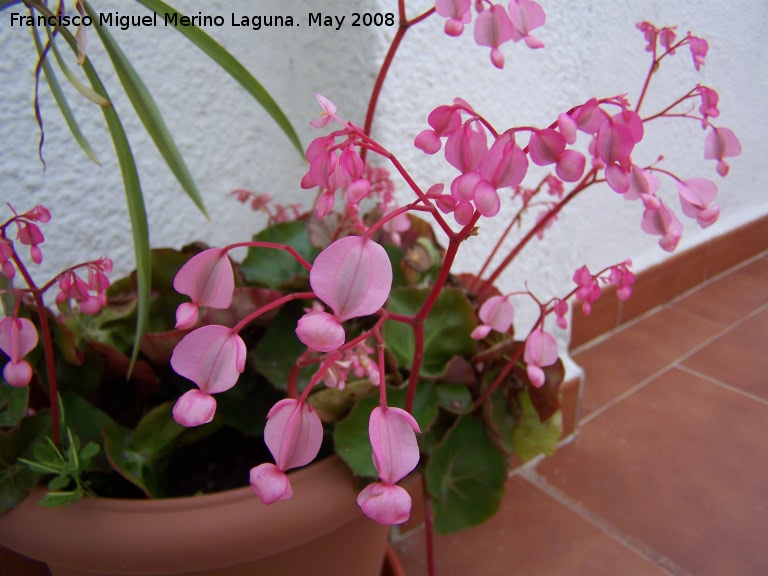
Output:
[[721, 143], [458, 12], [526, 16], [659, 220], [492, 28], [696, 198], [353, 276], [18, 337], [497, 314], [207, 278], [213, 357], [395, 454], [588, 290], [540, 350], [293, 435]]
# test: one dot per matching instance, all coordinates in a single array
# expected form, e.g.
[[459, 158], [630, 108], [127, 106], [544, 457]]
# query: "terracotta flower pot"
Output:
[[321, 531]]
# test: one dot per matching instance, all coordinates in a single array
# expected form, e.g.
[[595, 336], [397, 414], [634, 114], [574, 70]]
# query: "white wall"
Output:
[[593, 49]]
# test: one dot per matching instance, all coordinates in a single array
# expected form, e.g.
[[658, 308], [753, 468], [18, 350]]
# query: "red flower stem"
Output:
[[271, 306], [421, 316], [499, 379], [375, 93], [671, 106], [298, 257], [45, 336], [382, 375], [587, 181], [505, 234]]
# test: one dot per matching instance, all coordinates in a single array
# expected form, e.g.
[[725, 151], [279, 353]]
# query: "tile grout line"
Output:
[[633, 544], [677, 363], [724, 385]]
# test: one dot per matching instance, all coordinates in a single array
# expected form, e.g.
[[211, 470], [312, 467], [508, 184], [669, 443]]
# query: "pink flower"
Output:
[[696, 196], [328, 113], [443, 120], [540, 350], [207, 278], [18, 337], [213, 357], [395, 454], [588, 290], [661, 221], [721, 143], [458, 13], [699, 48], [526, 15], [293, 435], [492, 28], [623, 279], [353, 276], [387, 504], [497, 314], [320, 331], [708, 107]]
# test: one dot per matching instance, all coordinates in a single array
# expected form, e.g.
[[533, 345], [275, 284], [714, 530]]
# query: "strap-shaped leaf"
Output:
[[229, 63], [133, 195], [86, 91], [61, 101], [147, 110]]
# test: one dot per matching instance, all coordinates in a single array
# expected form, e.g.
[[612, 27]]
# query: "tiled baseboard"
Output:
[[669, 279]]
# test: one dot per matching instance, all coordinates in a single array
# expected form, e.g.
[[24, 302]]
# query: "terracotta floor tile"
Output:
[[681, 466], [731, 297], [633, 354], [533, 535], [603, 318], [739, 357]]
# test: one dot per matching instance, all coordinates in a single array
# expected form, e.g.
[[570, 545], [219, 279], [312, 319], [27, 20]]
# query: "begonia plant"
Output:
[[344, 328]]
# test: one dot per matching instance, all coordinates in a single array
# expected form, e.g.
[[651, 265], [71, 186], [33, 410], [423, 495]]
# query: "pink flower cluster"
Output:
[[18, 336], [495, 25]]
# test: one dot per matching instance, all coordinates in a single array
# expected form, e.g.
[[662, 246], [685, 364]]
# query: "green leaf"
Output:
[[465, 477], [16, 479], [499, 421], [446, 331], [61, 101], [13, 404], [139, 456], [350, 436], [275, 268], [230, 65], [147, 110], [88, 93], [531, 437], [280, 348]]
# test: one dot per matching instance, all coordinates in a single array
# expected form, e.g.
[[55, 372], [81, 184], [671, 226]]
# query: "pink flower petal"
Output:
[[18, 374], [18, 337], [353, 276], [570, 166], [270, 484], [207, 279], [387, 504], [393, 439], [213, 357], [320, 331], [540, 349], [293, 433], [487, 199], [194, 408], [497, 312]]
